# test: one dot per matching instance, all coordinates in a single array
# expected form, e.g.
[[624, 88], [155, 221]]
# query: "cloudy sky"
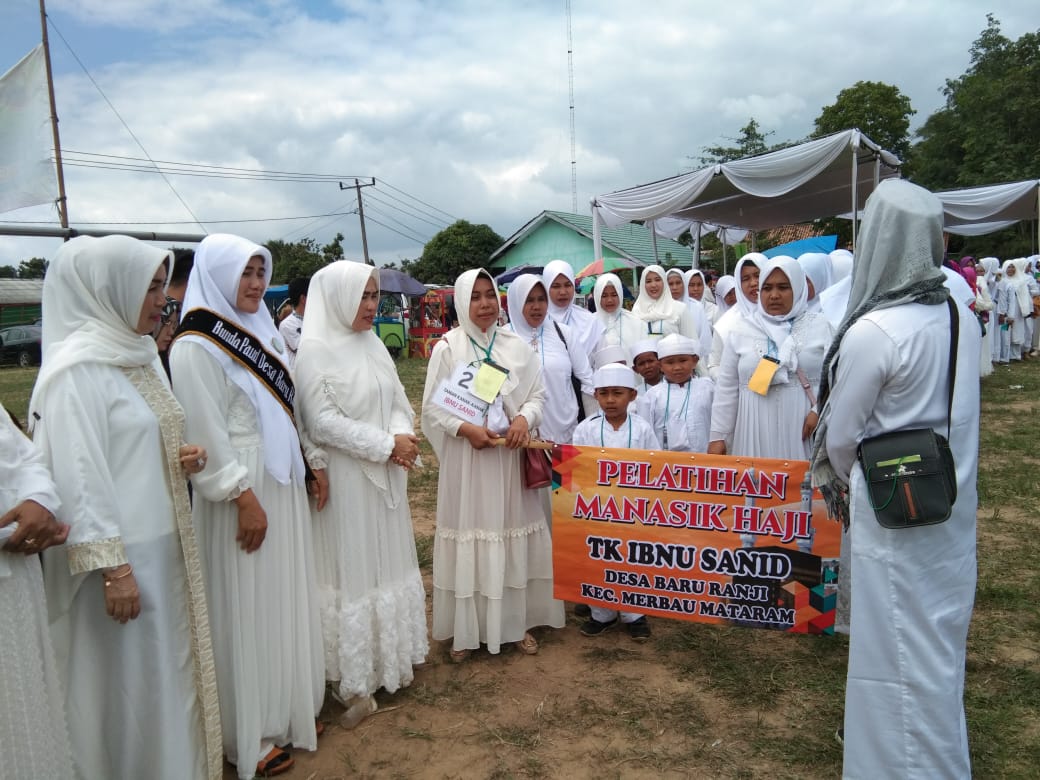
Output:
[[458, 108]]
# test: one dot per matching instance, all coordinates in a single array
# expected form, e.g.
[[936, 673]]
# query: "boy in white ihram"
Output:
[[614, 426], [680, 407]]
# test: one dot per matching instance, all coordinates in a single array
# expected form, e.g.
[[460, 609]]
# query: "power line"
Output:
[[165, 171], [265, 172], [439, 225], [410, 238], [379, 211], [452, 217], [123, 122], [176, 222]]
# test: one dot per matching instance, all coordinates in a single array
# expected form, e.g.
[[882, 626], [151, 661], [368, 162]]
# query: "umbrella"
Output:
[[393, 281], [605, 265], [822, 244], [508, 276]]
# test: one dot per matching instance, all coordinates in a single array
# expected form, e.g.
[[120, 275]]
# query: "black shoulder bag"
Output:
[[575, 382], [911, 477]]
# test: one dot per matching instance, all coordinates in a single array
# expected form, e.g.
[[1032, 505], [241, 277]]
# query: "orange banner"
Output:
[[706, 538]]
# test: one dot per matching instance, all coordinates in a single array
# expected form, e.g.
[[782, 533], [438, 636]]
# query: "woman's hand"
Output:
[[406, 450], [37, 529], [717, 447], [193, 458], [478, 436], [811, 421], [252, 522], [518, 434], [319, 488], [122, 599]]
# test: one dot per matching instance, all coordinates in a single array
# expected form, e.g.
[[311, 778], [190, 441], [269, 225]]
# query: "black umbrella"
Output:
[[393, 281]]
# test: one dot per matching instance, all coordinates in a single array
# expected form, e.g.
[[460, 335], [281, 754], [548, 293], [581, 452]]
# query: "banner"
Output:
[[27, 175], [705, 538]]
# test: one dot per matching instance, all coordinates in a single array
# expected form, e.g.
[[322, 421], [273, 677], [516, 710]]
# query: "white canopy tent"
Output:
[[816, 179], [976, 211]]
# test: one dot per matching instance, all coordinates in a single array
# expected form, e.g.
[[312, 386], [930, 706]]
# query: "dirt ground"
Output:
[[603, 707]]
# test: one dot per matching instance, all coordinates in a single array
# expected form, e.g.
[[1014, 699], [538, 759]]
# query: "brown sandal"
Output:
[[528, 645], [458, 656], [274, 763]]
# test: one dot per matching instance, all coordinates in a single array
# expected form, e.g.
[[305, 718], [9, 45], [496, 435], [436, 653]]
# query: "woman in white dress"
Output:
[[620, 326], [32, 713], [373, 605], [251, 508], [559, 357], [745, 292], [126, 595], [492, 555], [1019, 307], [661, 314], [779, 423], [725, 298], [984, 305]]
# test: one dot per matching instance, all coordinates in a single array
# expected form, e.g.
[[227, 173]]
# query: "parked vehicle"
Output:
[[391, 323], [432, 316], [20, 345]]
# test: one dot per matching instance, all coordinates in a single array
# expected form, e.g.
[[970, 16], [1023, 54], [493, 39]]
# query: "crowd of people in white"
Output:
[[180, 630]]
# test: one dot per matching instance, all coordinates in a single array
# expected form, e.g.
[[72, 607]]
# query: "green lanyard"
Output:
[[603, 419], [487, 352]]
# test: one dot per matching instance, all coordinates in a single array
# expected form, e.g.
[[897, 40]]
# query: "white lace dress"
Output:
[[767, 426], [373, 605]]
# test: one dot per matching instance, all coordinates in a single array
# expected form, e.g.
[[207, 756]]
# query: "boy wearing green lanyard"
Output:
[[614, 426]]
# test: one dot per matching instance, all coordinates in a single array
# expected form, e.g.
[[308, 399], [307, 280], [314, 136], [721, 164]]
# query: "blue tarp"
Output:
[[823, 244]]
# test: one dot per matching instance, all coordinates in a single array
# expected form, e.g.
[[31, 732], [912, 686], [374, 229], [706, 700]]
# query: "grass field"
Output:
[[722, 702]]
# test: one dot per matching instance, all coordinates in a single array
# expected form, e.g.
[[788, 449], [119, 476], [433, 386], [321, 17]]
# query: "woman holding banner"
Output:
[[250, 508], [492, 555]]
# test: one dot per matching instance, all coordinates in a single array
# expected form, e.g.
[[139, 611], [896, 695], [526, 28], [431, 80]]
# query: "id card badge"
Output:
[[455, 395], [759, 382], [489, 380]]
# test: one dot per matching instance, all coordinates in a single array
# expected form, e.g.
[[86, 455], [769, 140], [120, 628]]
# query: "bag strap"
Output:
[[952, 371], [559, 332]]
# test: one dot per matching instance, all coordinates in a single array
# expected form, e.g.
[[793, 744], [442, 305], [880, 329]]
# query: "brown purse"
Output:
[[537, 469]]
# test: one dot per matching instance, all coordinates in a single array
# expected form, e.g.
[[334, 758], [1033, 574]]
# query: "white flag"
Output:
[[27, 175]]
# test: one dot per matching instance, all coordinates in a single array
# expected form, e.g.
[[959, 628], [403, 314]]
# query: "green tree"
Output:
[[298, 258], [333, 250], [987, 131], [8, 272], [751, 141], [455, 249], [879, 110], [33, 268]]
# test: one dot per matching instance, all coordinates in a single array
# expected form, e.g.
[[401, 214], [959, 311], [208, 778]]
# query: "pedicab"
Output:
[[430, 318]]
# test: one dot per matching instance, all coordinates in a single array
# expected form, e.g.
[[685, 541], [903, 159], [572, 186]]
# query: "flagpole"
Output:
[[63, 212]]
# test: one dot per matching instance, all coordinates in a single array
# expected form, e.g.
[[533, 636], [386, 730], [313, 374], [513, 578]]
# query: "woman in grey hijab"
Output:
[[912, 588]]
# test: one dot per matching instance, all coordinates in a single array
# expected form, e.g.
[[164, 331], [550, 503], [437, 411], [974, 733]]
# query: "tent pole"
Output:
[[597, 235], [653, 238], [697, 245], [63, 204], [855, 196]]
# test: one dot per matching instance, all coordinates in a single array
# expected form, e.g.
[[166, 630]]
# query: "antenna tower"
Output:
[[570, 80]]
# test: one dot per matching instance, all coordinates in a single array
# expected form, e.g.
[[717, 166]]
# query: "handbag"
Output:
[[575, 382], [911, 475], [537, 469]]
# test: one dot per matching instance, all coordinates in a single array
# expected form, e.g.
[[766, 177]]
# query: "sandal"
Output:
[[274, 763], [319, 727], [458, 656], [528, 645]]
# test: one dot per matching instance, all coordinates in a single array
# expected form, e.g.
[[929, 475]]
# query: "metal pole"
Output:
[[653, 239], [855, 195], [40, 231], [361, 214], [696, 244], [63, 210]]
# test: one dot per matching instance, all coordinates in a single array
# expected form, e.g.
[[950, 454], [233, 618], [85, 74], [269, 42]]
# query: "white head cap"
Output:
[[611, 354], [614, 375], [646, 345], [674, 344]]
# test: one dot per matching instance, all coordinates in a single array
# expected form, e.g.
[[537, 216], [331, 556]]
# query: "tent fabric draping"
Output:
[[816, 179], [975, 211]]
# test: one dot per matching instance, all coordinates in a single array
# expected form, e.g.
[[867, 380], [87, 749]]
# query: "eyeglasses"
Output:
[[171, 310]]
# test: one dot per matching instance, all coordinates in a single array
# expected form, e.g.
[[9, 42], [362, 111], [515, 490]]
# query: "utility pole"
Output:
[[361, 213], [63, 206]]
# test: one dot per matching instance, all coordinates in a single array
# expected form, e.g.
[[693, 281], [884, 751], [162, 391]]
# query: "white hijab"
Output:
[[92, 299], [817, 267], [653, 309], [516, 298], [553, 269], [841, 265], [723, 287], [333, 357], [219, 262], [682, 278], [992, 266], [744, 304], [620, 326], [778, 326], [708, 297], [1018, 284]]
